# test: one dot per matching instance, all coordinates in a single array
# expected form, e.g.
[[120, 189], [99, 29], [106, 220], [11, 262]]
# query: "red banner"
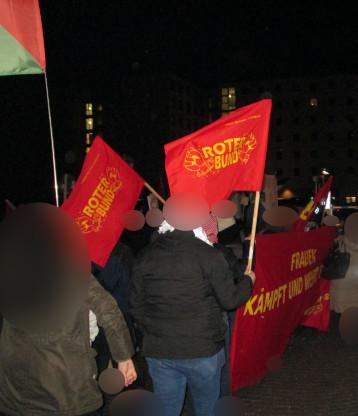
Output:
[[288, 292], [106, 189], [224, 156]]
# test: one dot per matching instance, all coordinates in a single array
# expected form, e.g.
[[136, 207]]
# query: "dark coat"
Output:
[[179, 289], [55, 373]]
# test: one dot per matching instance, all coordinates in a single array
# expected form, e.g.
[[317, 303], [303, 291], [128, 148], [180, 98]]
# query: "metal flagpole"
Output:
[[52, 143]]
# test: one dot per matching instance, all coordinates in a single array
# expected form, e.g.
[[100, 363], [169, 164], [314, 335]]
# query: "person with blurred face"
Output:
[[180, 287]]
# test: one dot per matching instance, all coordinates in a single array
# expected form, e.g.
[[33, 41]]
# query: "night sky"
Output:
[[98, 42], [207, 42]]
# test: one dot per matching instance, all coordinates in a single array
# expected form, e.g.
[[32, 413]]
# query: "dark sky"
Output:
[[91, 42], [207, 41]]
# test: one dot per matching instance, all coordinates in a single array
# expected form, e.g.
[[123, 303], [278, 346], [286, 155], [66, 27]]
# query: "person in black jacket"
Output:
[[179, 288]]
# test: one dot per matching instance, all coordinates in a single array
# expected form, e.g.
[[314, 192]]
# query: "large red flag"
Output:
[[224, 156], [307, 212], [21, 40], [106, 189]]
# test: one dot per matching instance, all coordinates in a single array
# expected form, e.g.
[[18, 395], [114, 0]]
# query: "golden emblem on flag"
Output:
[[211, 159], [98, 205], [194, 161]]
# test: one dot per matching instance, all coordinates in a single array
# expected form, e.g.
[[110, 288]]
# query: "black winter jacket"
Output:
[[179, 289]]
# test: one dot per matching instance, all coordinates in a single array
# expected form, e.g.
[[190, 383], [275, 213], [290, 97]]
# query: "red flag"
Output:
[[106, 189], [21, 40], [309, 209], [224, 156]]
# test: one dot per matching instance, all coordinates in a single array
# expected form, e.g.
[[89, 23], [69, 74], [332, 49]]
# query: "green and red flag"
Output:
[[22, 48], [222, 157]]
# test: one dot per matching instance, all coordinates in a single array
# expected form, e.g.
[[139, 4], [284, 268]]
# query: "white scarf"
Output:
[[198, 232]]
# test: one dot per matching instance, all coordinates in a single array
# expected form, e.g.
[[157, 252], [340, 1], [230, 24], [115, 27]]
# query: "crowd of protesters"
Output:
[[159, 312]]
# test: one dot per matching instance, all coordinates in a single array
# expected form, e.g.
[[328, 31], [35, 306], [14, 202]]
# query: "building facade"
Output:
[[314, 126], [154, 110]]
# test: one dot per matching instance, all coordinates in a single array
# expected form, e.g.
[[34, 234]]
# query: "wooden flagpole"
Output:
[[154, 192], [253, 231]]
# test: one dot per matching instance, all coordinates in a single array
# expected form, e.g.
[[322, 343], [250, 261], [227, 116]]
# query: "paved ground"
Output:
[[319, 378]]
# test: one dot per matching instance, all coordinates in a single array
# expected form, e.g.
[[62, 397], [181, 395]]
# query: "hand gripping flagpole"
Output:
[[253, 231], [52, 143]]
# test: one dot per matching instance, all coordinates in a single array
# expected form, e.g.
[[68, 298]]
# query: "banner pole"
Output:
[[52, 143], [154, 192], [253, 231]]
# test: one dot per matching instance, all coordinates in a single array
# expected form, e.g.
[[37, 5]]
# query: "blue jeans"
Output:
[[225, 387], [202, 375]]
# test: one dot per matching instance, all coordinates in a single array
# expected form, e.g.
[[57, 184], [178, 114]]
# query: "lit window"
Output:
[[354, 199], [313, 102], [89, 123], [228, 100], [87, 149], [89, 109], [100, 107]]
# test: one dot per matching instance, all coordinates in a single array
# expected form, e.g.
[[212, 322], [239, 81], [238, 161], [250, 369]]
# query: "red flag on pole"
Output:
[[224, 156], [309, 209], [106, 189], [21, 40]]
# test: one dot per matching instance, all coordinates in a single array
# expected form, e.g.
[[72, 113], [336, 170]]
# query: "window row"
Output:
[[350, 170], [315, 136], [314, 154], [313, 119], [313, 103], [298, 87]]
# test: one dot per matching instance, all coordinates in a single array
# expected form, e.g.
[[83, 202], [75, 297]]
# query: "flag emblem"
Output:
[[211, 159]]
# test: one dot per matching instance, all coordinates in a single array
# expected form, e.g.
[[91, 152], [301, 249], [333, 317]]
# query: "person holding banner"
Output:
[[180, 286]]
